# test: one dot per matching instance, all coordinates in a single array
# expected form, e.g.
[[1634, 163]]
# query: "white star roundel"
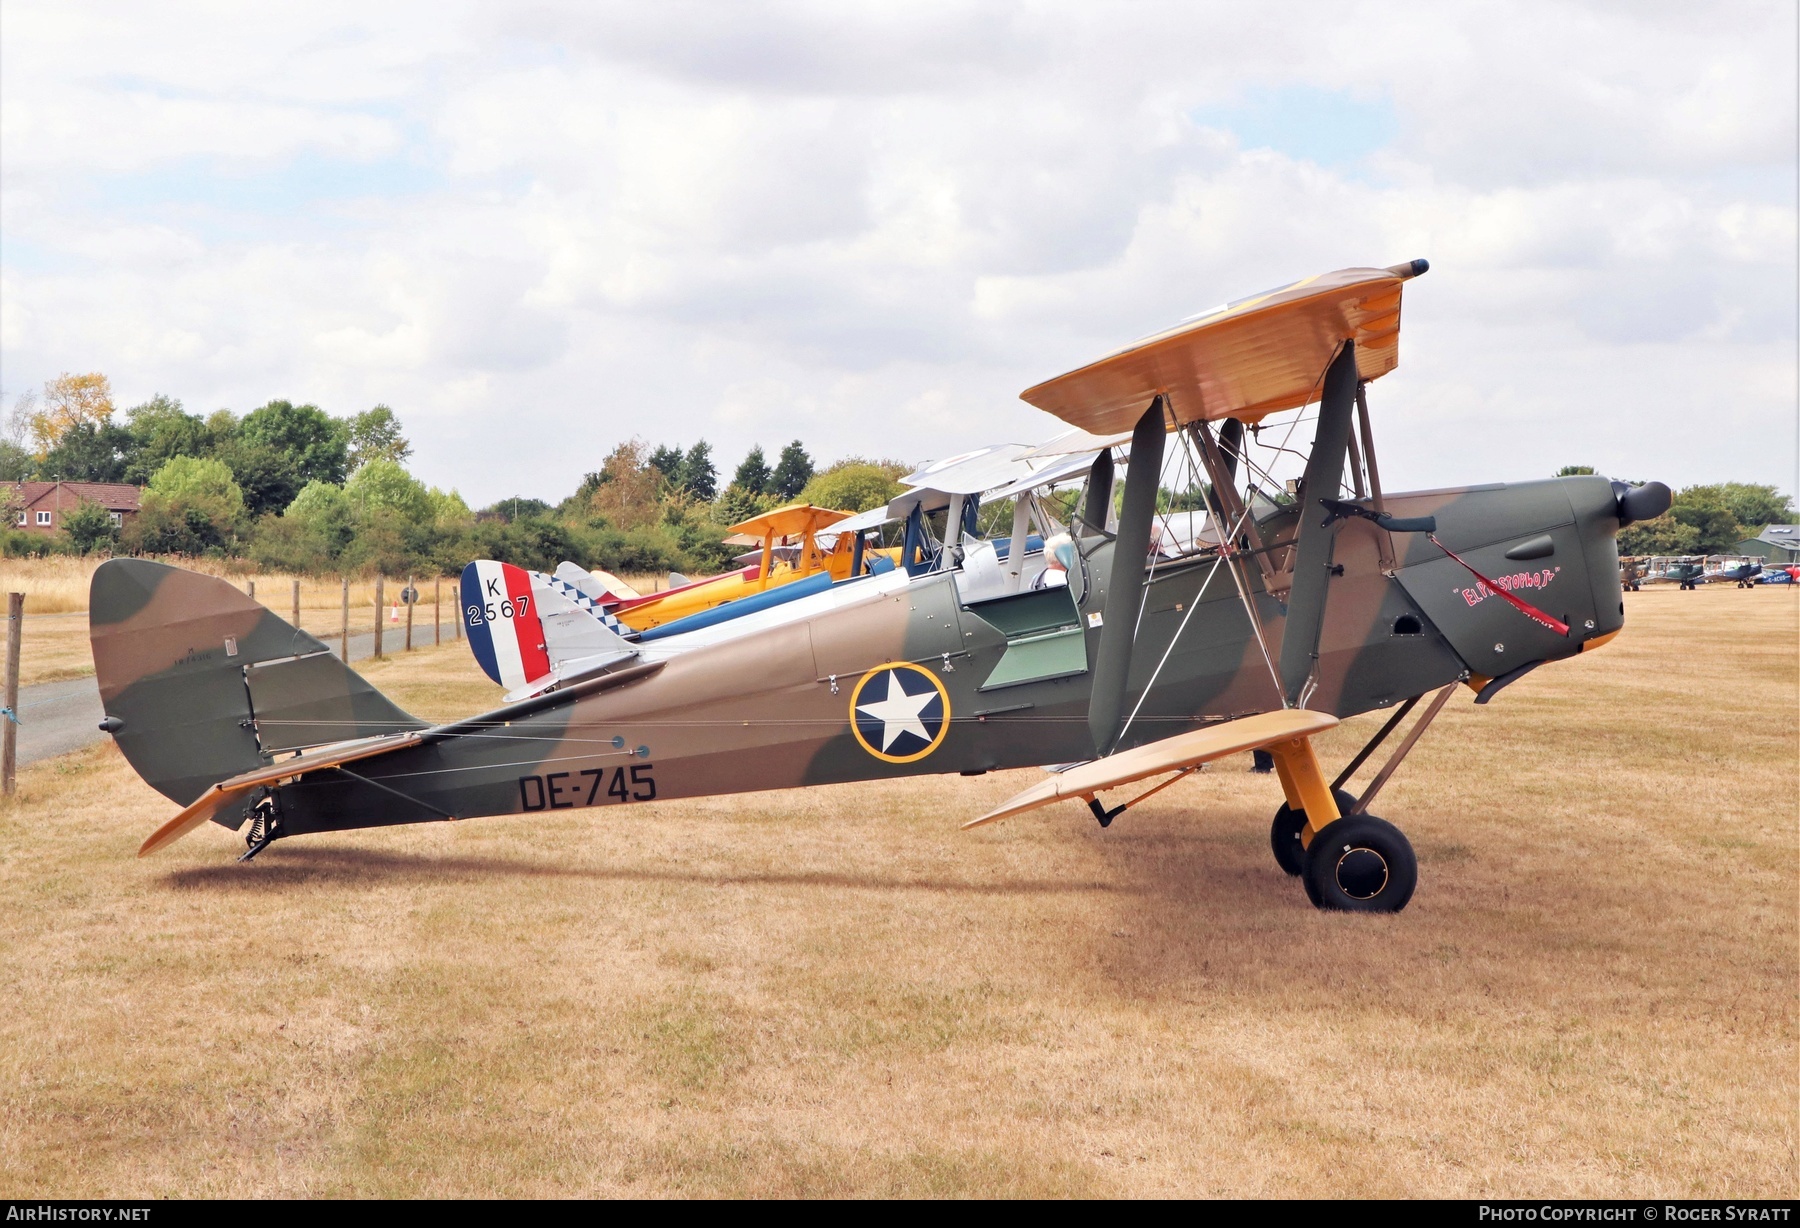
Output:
[[899, 713]]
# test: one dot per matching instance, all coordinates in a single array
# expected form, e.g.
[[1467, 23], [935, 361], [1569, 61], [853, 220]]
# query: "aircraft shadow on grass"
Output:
[[378, 868]]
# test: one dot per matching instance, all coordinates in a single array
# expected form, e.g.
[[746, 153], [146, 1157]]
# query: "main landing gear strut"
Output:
[[1347, 859]]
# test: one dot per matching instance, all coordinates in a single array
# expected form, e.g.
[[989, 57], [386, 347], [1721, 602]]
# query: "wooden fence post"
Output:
[[296, 605], [379, 586], [251, 590], [437, 611], [456, 615], [346, 646], [9, 722], [409, 596]]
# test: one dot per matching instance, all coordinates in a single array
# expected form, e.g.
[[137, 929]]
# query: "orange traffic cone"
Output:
[[395, 616]]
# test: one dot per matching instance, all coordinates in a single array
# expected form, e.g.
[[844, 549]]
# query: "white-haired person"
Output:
[[1059, 560]]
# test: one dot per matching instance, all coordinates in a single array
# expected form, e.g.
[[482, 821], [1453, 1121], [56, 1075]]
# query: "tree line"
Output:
[[291, 487]]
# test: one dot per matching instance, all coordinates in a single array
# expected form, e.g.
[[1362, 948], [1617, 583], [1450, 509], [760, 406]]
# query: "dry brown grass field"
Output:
[[836, 992]]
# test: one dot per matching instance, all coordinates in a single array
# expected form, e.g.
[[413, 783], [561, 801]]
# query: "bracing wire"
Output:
[[1157, 672]]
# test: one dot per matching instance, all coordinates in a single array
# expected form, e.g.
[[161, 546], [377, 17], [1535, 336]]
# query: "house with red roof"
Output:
[[40, 506]]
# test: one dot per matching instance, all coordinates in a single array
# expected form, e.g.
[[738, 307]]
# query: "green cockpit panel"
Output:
[[1044, 636]]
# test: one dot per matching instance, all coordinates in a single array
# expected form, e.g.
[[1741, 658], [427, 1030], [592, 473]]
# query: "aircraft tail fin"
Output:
[[528, 629], [201, 683]]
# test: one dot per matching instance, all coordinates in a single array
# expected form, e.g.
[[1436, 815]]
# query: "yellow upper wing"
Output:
[[1243, 360]]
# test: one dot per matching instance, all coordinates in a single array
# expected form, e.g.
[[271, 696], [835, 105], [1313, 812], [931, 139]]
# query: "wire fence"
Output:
[[367, 618]]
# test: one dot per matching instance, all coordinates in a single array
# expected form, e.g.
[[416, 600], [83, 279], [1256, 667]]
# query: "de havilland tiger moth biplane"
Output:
[[1111, 642]]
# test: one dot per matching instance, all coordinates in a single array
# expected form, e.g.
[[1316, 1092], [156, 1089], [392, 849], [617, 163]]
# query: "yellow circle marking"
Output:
[[943, 728]]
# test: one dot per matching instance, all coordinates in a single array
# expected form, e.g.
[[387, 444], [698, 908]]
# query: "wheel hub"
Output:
[[1362, 873]]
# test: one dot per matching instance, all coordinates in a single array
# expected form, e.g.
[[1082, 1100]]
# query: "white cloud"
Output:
[[535, 231]]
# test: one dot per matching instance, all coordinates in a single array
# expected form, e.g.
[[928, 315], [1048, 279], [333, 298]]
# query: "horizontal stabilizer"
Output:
[[226, 792], [600, 587], [1184, 750], [572, 669], [236, 789]]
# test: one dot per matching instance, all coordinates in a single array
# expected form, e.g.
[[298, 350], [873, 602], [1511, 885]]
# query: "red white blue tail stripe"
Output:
[[501, 618]]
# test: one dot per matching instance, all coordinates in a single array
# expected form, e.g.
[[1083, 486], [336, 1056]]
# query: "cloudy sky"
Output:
[[536, 229]]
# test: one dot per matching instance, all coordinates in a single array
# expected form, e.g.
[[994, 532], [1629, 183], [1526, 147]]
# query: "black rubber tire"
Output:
[[1284, 833], [1360, 864]]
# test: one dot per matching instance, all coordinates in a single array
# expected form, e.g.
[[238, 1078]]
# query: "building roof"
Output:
[[113, 496], [1780, 535]]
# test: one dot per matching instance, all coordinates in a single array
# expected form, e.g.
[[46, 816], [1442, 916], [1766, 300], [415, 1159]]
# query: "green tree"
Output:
[[697, 533], [324, 513], [516, 508], [1702, 509], [375, 435], [16, 464], [313, 442], [266, 477], [737, 504], [792, 472], [752, 476], [384, 485], [318, 502], [1752, 506], [89, 527], [202, 482], [449, 510], [281, 447], [1574, 471], [161, 429], [89, 452], [192, 505], [166, 526], [698, 477], [281, 544], [1663, 535], [851, 488], [667, 461]]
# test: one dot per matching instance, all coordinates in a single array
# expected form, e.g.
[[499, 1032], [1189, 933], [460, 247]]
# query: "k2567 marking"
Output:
[[492, 613], [588, 787]]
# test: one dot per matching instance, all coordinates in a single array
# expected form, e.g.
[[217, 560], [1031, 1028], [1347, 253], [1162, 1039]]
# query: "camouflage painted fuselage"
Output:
[[203, 684]]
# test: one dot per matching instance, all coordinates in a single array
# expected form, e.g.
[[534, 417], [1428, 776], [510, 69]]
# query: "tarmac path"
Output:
[[58, 717]]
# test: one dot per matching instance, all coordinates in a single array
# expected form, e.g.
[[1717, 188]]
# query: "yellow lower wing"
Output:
[[1184, 750]]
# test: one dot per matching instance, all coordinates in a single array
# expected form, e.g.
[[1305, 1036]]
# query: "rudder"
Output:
[[201, 683]]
